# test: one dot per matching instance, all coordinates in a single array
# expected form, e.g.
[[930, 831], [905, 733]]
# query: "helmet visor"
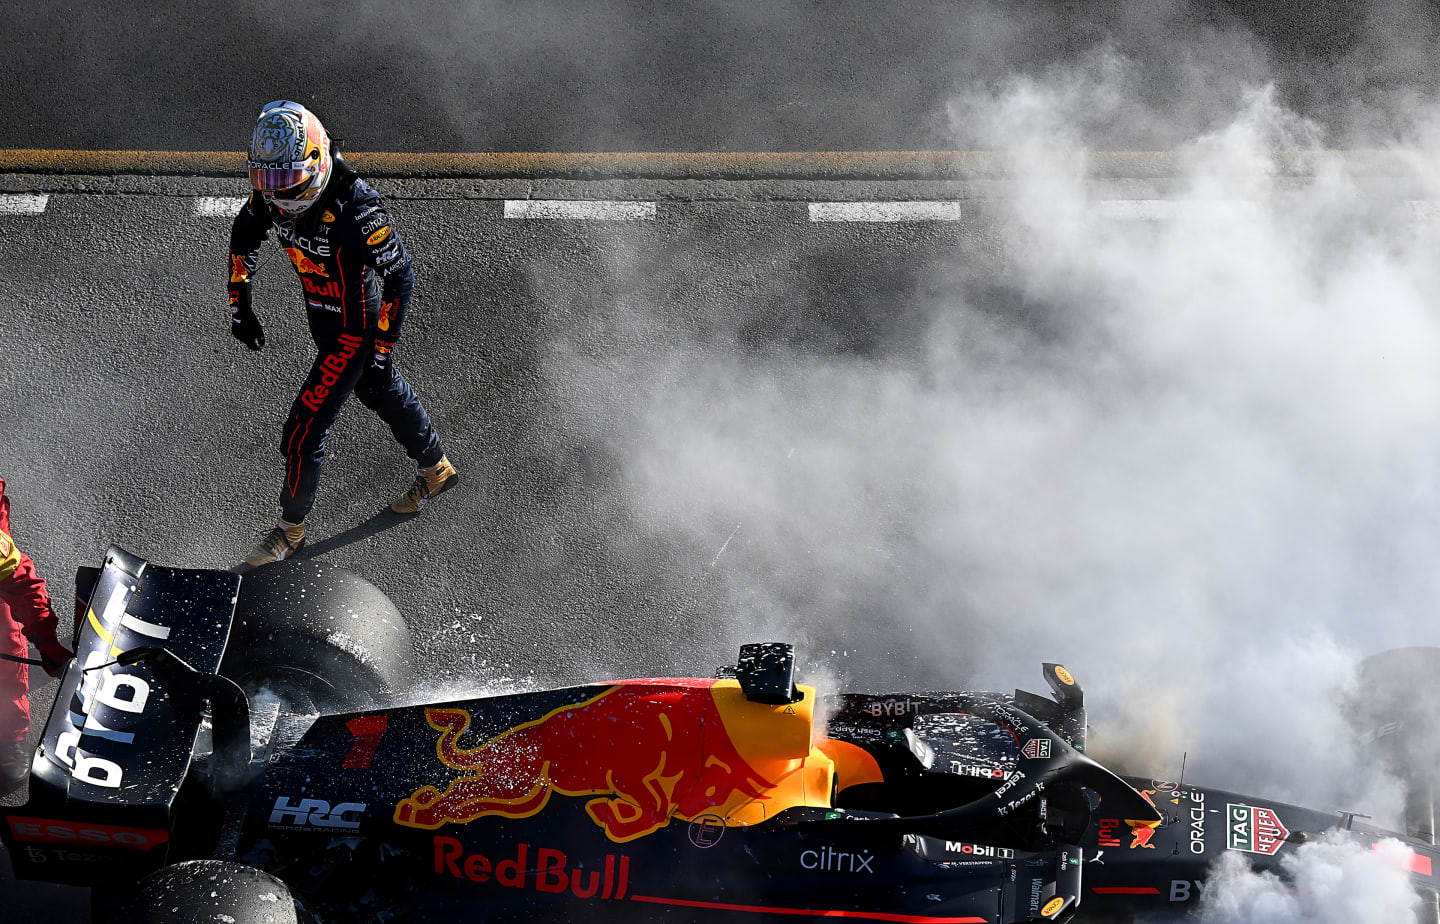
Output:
[[275, 179]]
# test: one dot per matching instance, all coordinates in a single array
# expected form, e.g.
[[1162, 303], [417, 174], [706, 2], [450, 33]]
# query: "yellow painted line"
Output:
[[115, 650], [99, 629], [885, 165]]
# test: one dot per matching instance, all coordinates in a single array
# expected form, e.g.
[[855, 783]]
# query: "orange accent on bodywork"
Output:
[[778, 742], [853, 764]]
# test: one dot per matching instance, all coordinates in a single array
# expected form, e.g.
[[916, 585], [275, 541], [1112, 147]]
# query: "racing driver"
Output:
[[357, 279], [25, 611]]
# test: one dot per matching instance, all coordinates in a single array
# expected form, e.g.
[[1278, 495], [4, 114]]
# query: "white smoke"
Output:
[[1191, 452], [1331, 881]]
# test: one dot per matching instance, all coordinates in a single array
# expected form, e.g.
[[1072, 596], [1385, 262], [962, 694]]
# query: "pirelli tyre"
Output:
[[207, 890], [318, 637]]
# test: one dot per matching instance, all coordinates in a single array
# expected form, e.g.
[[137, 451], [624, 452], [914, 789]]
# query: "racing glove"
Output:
[[381, 360], [244, 326]]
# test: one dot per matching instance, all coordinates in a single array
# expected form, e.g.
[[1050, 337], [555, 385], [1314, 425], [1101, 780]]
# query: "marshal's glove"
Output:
[[244, 326], [53, 655]]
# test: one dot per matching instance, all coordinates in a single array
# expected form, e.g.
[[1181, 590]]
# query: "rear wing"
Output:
[[119, 741]]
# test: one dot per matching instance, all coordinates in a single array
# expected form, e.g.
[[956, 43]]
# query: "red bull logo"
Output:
[[387, 311], [239, 272], [1141, 832], [303, 263], [330, 289], [550, 872], [647, 752], [330, 368]]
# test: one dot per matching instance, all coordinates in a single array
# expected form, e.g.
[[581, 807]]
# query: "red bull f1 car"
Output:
[[243, 749]]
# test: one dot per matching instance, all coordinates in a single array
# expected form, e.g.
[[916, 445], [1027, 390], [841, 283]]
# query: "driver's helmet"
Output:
[[290, 159]]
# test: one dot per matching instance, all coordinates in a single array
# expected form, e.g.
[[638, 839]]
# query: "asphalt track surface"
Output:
[[136, 420], [541, 345], [144, 424], [597, 355]]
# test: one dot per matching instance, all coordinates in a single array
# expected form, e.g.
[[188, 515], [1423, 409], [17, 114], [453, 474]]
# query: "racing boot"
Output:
[[428, 482], [280, 543]]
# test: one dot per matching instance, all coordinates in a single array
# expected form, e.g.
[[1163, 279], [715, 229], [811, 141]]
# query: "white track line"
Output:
[[580, 209], [218, 207], [884, 211], [23, 204]]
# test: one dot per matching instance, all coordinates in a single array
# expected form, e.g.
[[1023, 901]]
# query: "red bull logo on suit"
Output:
[[303, 263], [330, 368]]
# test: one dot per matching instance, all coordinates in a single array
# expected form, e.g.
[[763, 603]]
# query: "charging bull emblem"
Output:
[[649, 753], [303, 263], [1141, 832]]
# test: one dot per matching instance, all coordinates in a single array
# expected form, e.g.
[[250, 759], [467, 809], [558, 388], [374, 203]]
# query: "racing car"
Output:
[[246, 749]]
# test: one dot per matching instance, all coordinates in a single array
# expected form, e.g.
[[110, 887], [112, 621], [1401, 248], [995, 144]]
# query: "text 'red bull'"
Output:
[[330, 289], [331, 367], [552, 872], [1141, 832], [648, 752]]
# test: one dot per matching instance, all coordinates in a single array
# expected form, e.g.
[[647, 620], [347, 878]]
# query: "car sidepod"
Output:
[[668, 799]]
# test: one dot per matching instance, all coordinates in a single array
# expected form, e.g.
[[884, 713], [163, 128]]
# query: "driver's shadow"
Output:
[[382, 520]]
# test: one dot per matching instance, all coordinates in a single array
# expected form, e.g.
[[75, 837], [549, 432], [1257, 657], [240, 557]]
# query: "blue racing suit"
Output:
[[357, 279]]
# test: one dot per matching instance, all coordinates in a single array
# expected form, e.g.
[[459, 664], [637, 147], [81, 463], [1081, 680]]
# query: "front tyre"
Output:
[[208, 890]]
